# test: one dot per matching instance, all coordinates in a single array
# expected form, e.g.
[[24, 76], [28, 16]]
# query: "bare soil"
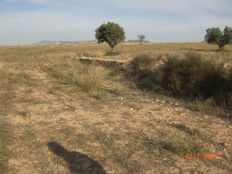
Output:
[[57, 128]]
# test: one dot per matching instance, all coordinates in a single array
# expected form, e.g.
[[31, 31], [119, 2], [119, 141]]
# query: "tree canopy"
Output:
[[141, 38], [216, 36], [111, 33]]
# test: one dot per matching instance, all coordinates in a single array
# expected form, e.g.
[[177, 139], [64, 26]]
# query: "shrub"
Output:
[[213, 83], [229, 94], [141, 69], [190, 77], [112, 53], [141, 63], [193, 77]]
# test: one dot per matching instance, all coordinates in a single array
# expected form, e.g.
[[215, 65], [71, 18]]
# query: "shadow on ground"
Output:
[[78, 163]]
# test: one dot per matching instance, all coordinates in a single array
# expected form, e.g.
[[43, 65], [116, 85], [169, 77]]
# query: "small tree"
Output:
[[111, 33], [141, 38], [216, 36]]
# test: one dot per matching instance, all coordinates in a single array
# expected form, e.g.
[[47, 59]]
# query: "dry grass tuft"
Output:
[[89, 79], [180, 146], [5, 131]]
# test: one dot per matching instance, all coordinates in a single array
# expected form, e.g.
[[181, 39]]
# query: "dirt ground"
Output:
[[58, 129]]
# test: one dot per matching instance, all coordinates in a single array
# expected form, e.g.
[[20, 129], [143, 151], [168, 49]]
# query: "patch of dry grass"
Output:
[[125, 133], [89, 79], [5, 134], [11, 79], [127, 51]]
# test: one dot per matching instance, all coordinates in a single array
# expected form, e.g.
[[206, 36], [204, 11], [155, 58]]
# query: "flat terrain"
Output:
[[50, 123]]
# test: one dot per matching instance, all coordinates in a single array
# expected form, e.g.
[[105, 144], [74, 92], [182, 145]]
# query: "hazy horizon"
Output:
[[83, 42], [32, 21]]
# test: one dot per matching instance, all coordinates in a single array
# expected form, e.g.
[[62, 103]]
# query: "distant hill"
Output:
[[47, 42]]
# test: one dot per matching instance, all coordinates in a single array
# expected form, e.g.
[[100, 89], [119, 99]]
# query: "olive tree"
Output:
[[141, 38], [111, 33], [216, 36]]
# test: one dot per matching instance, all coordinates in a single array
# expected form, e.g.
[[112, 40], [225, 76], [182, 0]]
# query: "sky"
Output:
[[31, 21]]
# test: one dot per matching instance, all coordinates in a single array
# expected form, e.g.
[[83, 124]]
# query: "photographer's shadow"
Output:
[[78, 163]]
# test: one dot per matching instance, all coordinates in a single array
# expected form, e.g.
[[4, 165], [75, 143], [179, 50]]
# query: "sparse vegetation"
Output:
[[181, 146], [48, 95], [28, 135], [5, 139], [88, 78]]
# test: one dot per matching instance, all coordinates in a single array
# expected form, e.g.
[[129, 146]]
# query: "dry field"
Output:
[[59, 116]]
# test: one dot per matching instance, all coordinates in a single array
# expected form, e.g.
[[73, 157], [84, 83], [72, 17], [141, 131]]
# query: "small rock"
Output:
[[213, 151], [222, 144]]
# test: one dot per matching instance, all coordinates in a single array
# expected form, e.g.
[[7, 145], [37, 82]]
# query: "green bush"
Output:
[[111, 33]]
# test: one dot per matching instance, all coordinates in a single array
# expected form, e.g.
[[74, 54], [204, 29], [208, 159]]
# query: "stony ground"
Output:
[[58, 129]]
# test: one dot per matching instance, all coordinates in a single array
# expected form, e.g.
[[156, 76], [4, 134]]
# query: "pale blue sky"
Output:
[[30, 21]]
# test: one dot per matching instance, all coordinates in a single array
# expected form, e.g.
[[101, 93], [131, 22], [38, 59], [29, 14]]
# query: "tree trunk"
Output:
[[112, 47], [221, 47]]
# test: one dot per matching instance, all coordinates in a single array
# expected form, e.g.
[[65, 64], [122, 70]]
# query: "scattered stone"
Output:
[[222, 144]]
